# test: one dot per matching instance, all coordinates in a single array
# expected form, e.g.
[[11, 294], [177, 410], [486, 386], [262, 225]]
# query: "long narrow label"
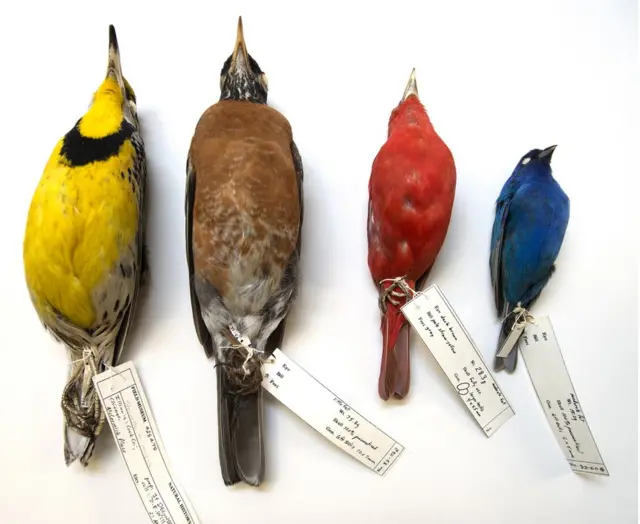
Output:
[[328, 414], [437, 324], [550, 377], [134, 430], [511, 341]]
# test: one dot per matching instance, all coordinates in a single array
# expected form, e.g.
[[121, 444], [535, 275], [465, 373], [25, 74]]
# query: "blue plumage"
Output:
[[532, 213]]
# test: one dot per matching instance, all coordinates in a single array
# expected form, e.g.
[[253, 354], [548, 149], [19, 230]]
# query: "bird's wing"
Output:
[[141, 257], [503, 205], [201, 329], [422, 279], [495, 260], [533, 236], [275, 339], [297, 164]]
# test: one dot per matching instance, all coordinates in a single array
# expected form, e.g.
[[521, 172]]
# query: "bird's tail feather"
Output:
[[395, 372], [240, 439], [509, 363]]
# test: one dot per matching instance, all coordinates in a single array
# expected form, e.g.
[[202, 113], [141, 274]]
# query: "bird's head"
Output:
[[409, 110], [113, 101], [241, 77], [536, 161]]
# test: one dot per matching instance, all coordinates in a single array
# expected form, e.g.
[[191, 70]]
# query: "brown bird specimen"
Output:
[[243, 219]]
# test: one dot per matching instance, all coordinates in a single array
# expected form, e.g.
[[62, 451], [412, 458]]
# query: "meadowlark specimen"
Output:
[[243, 220], [84, 246]]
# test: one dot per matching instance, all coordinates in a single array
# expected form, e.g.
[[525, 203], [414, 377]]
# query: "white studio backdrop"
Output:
[[498, 79]]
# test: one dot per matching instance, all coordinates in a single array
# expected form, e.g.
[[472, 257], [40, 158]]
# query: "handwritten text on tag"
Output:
[[136, 434], [437, 324], [329, 415], [550, 377]]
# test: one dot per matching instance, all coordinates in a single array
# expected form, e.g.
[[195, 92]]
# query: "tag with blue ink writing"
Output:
[[135, 432], [437, 324], [328, 414], [542, 356]]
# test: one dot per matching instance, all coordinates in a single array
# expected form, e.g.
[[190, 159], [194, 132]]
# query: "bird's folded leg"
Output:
[[83, 415], [244, 370]]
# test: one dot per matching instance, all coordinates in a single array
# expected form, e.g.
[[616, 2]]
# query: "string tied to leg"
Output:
[[243, 363], [397, 290], [523, 317]]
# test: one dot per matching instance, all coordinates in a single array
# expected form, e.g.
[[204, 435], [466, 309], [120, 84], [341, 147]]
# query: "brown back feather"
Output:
[[246, 202]]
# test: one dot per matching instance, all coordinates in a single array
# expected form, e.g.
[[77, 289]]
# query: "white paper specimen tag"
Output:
[[511, 340], [135, 432], [550, 377], [328, 414], [437, 324]]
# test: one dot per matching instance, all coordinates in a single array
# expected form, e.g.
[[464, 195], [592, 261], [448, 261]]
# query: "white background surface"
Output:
[[498, 79]]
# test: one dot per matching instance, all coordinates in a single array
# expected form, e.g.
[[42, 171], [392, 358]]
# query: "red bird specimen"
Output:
[[411, 192]]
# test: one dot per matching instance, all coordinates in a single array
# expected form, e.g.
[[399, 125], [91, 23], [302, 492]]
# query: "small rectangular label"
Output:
[[328, 414], [437, 324], [511, 340], [135, 432], [550, 377]]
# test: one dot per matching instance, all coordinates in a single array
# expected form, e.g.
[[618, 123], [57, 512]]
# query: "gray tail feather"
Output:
[[240, 440], [511, 361]]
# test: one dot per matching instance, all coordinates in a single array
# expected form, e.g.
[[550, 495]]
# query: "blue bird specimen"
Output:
[[532, 213]]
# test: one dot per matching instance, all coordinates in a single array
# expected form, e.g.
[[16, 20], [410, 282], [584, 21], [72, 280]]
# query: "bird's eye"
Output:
[[526, 161]]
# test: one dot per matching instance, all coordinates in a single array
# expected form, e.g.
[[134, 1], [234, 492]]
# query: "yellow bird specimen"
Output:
[[84, 246]]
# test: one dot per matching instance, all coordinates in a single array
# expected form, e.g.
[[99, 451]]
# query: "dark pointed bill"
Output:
[[412, 86], [547, 153], [114, 69]]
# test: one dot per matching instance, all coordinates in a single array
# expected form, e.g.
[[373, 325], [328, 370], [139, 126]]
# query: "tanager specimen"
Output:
[[411, 194]]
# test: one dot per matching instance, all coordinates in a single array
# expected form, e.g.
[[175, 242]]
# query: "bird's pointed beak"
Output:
[[412, 86], [548, 153], [114, 69], [240, 57]]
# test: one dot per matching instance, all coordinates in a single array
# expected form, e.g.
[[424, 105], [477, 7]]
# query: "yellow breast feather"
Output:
[[80, 220]]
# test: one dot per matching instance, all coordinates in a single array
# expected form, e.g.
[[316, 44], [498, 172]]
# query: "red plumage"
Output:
[[411, 192]]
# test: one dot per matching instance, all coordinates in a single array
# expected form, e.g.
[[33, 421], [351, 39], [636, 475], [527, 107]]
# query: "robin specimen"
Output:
[[411, 193], [532, 214], [244, 213], [84, 247]]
